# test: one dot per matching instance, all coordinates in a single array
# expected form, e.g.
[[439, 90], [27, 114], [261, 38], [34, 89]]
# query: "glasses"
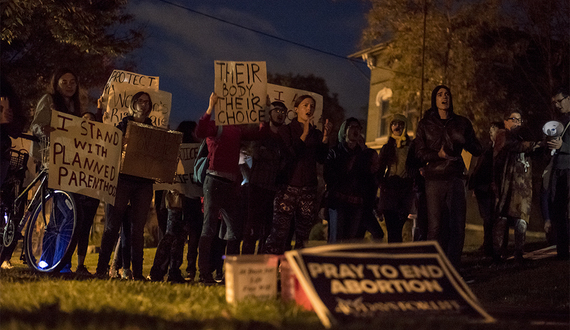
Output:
[[559, 101], [280, 110], [143, 102], [515, 119]]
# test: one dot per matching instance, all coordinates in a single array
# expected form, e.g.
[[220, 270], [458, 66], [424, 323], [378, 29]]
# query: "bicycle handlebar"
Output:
[[29, 137]]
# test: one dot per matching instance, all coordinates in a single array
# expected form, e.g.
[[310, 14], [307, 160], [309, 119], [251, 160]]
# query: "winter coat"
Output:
[[454, 133], [513, 174]]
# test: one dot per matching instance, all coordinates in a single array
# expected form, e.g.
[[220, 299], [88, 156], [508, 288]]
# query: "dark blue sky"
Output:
[[182, 45]]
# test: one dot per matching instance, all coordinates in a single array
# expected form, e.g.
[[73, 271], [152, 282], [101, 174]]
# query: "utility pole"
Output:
[[423, 62]]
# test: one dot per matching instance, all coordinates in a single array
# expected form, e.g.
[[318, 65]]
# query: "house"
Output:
[[381, 91]]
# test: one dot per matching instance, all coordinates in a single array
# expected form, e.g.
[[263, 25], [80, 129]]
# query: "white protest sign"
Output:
[[121, 87], [84, 157], [242, 89], [289, 95], [184, 180], [119, 77]]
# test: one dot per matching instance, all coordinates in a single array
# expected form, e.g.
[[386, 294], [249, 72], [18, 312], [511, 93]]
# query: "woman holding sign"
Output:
[[63, 96], [296, 198], [137, 191]]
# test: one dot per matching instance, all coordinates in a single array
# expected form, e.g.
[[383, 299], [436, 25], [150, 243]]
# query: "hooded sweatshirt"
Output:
[[345, 171], [454, 133]]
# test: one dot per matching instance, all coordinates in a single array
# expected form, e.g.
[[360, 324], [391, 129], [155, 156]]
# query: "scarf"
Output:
[[399, 139]]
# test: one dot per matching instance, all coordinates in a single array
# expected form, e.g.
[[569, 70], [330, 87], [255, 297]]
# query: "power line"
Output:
[[352, 61], [258, 31]]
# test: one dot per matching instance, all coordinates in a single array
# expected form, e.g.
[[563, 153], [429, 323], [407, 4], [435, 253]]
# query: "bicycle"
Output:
[[50, 220]]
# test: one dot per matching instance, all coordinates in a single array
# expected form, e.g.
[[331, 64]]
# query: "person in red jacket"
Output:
[[221, 193]]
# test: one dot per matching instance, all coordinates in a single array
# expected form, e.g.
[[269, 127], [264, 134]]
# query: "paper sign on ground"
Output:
[[84, 157], [242, 89], [288, 95]]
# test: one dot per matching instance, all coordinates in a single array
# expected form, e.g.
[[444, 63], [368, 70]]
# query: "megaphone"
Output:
[[553, 129]]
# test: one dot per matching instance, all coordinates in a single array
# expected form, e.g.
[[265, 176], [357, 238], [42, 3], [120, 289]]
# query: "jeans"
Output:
[[221, 196], [560, 209], [486, 203], [170, 250], [447, 209], [260, 218], [344, 220], [139, 194]]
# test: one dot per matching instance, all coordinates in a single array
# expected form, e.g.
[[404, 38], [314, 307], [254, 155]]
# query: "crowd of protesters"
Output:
[[270, 198]]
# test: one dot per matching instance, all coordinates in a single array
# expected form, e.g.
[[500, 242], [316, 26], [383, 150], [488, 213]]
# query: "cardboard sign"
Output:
[[150, 152], [121, 87], [84, 157], [344, 283], [184, 180], [242, 89], [289, 95]]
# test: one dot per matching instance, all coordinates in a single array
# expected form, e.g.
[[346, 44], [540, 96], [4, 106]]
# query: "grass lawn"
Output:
[[29, 300]]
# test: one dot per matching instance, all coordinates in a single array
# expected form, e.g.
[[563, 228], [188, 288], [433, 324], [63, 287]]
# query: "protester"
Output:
[[304, 146], [441, 137], [418, 210], [220, 187], [86, 211], [345, 175], [137, 191], [369, 221], [513, 180], [184, 218], [63, 96], [481, 182], [396, 184], [266, 161], [559, 186], [12, 122]]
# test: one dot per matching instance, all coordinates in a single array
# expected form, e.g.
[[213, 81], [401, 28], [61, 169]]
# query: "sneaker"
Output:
[[66, 269], [207, 279], [114, 273], [139, 278], [82, 270], [127, 274], [190, 277], [176, 279], [7, 265]]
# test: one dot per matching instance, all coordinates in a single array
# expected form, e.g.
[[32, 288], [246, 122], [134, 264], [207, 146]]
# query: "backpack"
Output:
[[201, 163]]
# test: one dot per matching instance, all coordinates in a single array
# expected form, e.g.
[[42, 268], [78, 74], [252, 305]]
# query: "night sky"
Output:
[[182, 45]]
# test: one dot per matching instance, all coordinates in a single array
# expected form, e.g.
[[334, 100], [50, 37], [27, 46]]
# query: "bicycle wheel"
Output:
[[50, 241]]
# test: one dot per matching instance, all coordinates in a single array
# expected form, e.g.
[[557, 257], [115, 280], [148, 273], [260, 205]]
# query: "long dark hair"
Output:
[[20, 116], [58, 99], [187, 128]]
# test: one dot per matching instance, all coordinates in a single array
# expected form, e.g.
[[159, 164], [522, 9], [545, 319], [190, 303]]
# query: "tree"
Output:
[[91, 37], [490, 55], [331, 108]]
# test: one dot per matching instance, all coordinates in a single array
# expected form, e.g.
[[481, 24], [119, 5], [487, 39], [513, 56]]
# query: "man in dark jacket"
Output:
[[441, 137], [560, 179]]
